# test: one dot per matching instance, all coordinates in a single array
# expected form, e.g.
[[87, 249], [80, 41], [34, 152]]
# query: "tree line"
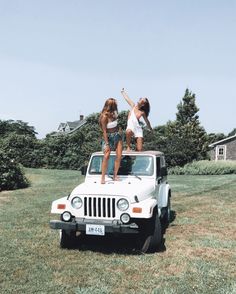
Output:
[[182, 140]]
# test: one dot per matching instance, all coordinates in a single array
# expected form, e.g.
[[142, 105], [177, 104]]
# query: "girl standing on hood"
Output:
[[141, 109], [112, 140]]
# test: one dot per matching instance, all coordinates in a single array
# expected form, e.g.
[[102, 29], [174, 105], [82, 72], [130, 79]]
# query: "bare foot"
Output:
[[116, 179], [128, 149], [102, 181]]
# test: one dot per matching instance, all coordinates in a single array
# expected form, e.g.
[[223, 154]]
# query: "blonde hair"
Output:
[[109, 107]]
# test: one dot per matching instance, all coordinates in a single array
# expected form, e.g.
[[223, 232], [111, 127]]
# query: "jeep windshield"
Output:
[[136, 165]]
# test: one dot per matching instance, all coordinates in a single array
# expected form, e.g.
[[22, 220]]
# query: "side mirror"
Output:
[[83, 170], [164, 171]]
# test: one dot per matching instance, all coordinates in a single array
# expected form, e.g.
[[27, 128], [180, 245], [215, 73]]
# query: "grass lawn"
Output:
[[199, 255]]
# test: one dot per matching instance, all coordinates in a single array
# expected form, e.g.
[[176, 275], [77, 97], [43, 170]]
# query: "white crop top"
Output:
[[112, 124]]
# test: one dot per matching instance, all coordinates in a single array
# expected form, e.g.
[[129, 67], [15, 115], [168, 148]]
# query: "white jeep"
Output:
[[139, 203]]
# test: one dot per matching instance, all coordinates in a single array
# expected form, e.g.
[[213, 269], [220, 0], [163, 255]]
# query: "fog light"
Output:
[[66, 216], [125, 218]]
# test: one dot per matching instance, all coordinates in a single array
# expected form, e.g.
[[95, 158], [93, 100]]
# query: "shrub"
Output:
[[205, 167], [11, 174], [23, 149]]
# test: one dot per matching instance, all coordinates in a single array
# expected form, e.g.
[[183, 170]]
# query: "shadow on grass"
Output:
[[112, 244], [120, 244], [108, 244], [165, 226]]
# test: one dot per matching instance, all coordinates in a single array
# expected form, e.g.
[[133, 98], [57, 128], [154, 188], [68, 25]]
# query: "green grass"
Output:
[[200, 243]]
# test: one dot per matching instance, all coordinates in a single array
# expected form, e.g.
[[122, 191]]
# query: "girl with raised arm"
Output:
[[112, 140], [141, 109]]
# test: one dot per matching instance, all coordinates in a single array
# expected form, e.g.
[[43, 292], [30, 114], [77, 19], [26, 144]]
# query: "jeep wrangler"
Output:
[[139, 203]]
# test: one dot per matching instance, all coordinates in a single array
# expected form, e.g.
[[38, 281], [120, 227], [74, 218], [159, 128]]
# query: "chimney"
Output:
[[81, 117]]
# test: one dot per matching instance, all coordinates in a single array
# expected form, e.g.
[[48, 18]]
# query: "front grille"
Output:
[[103, 207]]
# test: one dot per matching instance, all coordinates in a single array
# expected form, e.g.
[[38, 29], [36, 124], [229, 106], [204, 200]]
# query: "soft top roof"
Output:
[[124, 152]]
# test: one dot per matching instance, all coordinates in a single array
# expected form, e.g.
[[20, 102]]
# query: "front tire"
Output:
[[151, 238], [166, 219], [67, 239]]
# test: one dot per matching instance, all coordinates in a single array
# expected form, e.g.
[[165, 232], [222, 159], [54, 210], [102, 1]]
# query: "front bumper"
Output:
[[80, 225]]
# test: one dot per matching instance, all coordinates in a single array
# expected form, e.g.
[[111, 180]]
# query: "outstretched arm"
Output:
[[129, 101], [147, 121]]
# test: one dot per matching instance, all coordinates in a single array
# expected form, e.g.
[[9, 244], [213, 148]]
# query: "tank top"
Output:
[[112, 124]]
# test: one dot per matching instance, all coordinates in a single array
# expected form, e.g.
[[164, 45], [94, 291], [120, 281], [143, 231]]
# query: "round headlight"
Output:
[[125, 218], [76, 202], [123, 204], [66, 216]]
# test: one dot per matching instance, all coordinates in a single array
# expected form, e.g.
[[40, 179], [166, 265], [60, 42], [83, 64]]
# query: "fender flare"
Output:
[[163, 195]]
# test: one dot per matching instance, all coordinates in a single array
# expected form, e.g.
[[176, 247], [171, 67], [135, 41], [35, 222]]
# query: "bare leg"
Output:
[[139, 144], [105, 164], [118, 159], [129, 135]]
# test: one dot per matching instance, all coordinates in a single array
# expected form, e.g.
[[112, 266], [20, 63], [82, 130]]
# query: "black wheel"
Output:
[[166, 219], [67, 239], [150, 238]]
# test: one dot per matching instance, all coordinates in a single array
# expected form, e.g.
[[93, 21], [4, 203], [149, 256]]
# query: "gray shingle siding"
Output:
[[231, 150], [228, 148]]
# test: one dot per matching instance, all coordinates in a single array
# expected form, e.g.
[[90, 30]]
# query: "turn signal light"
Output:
[[137, 210], [61, 206]]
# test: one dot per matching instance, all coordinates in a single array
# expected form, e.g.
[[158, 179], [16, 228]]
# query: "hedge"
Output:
[[205, 167], [11, 174]]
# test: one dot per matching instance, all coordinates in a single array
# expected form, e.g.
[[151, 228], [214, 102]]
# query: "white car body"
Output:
[[145, 194]]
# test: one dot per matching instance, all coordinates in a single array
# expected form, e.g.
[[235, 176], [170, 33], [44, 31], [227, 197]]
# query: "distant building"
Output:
[[70, 126], [224, 149]]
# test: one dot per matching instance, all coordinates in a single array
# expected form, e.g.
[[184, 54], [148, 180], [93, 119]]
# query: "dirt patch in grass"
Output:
[[4, 200], [214, 254], [5, 197]]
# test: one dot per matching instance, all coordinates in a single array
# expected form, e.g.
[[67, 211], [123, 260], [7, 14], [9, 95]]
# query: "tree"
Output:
[[22, 148], [18, 127], [122, 119], [185, 139], [11, 174], [19, 142], [72, 151], [232, 133], [212, 137], [155, 139]]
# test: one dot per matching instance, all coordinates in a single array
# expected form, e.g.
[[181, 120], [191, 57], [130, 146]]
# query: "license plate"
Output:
[[95, 230]]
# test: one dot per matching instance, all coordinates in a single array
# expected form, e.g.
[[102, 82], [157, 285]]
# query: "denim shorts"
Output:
[[113, 139]]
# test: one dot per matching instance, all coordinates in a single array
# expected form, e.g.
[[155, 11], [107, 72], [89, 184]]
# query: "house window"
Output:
[[221, 152]]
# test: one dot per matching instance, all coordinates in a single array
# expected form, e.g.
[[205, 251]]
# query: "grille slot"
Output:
[[104, 207]]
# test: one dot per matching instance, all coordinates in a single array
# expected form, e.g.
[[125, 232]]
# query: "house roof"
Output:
[[61, 125], [73, 126], [76, 125], [223, 141]]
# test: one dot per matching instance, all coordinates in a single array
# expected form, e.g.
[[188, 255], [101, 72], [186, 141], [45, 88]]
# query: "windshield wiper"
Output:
[[136, 176]]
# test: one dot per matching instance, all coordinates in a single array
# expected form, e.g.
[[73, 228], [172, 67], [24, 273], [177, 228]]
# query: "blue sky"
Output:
[[60, 59]]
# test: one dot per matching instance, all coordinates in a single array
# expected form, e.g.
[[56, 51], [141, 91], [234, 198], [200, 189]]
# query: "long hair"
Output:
[[146, 107], [109, 107]]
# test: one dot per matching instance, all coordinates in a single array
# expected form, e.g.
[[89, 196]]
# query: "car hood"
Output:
[[143, 189]]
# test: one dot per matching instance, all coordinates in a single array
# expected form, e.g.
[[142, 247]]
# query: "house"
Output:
[[224, 149], [70, 126]]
